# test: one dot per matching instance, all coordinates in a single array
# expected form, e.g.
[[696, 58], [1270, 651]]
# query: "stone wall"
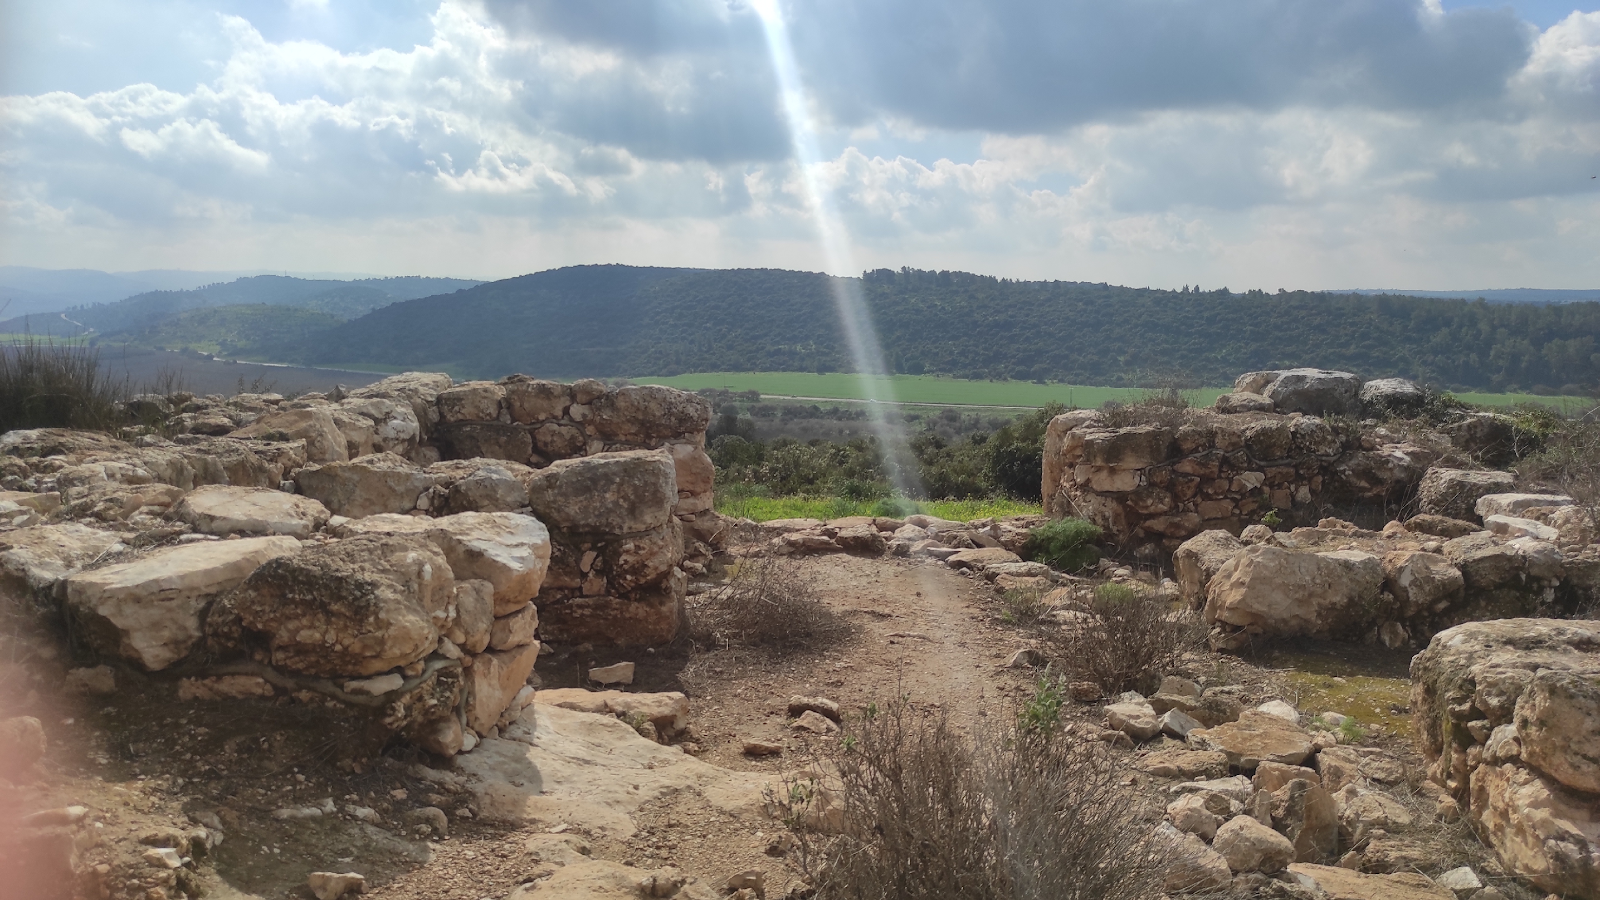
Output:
[[1194, 470], [398, 551]]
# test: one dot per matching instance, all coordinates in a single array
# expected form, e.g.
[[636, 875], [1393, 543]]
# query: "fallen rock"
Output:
[[224, 509], [1392, 395], [981, 557], [1271, 591], [1199, 558], [1255, 738], [1516, 504], [814, 723], [1194, 867], [1181, 762], [1137, 720], [324, 442], [762, 748], [35, 560], [616, 673], [1250, 846], [332, 886], [1338, 883], [667, 711], [150, 610]]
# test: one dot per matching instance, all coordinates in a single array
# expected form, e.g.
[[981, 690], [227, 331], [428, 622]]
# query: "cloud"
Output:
[[1144, 141]]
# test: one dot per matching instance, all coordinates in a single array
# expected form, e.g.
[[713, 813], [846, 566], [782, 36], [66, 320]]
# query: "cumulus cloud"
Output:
[[1129, 141]]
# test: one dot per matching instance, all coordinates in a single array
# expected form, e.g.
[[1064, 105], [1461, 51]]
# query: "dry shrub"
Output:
[[768, 602], [921, 813], [1127, 639], [48, 385]]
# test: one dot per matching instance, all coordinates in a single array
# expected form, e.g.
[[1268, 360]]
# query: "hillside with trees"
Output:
[[629, 321]]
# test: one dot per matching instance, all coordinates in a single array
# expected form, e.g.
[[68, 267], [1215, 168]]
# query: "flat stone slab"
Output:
[[1346, 884], [1255, 738], [224, 509]]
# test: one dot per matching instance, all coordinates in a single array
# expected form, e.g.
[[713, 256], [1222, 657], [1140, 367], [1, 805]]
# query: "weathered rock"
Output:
[[1455, 492], [324, 442], [224, 509], [1338, 883], [1255, 738], [1243, 402], [100, 681], [508, 550], [514, 629], [493, 682], [1136, 720], [490, 487], [822, 706], [1189, 814], [393, 423], [150, 610], [487, 440], [419, 390], [1199, 558], [1486, 562], [1512, 527], [333, 886], [34, 560], [1194, 867], [371, 485], [1181, 762], [1392, 395], [1421, 582], [611, 493], [1440, 526], [241, 463], [668, 712], [645, 415], [472, 401], [981, 557], [616, 673], [1313, 391], [1539, 831], [530, 401], [1267, 590], [473, 623], [1516, 504], [861, 540], [1306, 814], [355, 607], [1363, 811], [1250, 846]]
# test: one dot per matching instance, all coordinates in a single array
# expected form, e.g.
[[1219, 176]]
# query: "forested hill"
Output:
[[622, 320]]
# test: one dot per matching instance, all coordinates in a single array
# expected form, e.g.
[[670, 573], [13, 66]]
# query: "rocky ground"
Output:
[[261, 804]]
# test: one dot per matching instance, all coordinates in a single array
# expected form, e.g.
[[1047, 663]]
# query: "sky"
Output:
[[1241, 143]]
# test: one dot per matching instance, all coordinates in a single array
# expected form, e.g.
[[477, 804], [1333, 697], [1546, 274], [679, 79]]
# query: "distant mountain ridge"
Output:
[[631, 321], [1499, 295]]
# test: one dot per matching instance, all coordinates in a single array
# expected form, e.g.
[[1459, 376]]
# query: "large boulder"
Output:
[[150, 610], [609, 493], [371, 485], [33, 561], [1315, 392], [393, 422], [1508, 714], [419, 390], [1455, 492], [1515, 504], [323, 439], [531, 401], [472, 401], [1270, 591], [355, 607], [648, 415], [1422, 583], [223, 509], [241, 463], [1392, 395], [1199, 558], [508, 550]]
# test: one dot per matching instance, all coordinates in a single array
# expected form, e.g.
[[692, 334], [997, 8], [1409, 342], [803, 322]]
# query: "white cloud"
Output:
[[534, 134]]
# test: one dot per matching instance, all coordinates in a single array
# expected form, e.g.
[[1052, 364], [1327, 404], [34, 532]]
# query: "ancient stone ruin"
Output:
[[379, 549], [1284, 444]]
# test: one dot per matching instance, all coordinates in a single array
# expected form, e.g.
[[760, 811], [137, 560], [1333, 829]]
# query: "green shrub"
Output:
[[894, 508], [1066, 544]]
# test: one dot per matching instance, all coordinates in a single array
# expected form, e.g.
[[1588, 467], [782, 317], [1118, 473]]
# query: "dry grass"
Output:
[[768, 602], [915, 811], [1128, 639]]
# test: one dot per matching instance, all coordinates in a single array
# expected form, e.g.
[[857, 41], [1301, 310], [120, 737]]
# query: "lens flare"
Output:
[[861, 336]]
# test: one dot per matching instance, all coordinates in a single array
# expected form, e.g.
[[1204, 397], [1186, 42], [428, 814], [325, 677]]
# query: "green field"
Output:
[[929, 389], [935, 390]]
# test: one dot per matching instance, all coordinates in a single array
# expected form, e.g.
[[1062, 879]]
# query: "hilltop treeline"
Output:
[[631, 321]]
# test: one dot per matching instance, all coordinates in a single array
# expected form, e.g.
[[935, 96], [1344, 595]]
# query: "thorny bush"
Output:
[[1126, 640], [906, 808]]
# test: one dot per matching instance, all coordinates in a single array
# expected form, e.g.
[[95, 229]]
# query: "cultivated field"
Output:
[[938, 390]]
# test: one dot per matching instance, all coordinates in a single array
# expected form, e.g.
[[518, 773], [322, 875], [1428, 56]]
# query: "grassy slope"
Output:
[[230, 330]]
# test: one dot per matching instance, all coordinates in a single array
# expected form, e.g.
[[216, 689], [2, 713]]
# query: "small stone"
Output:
[[1463, 881], [431, 816], [1178, 724], [620, 673], [762, 748], [1026, 658], [748, 880], [164, 858], [799, 706], [815, 723], [47, 818], [332, 886], [1282, 710]]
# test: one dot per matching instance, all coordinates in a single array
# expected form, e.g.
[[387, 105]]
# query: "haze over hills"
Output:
[[1501, 295], [25, 290]]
